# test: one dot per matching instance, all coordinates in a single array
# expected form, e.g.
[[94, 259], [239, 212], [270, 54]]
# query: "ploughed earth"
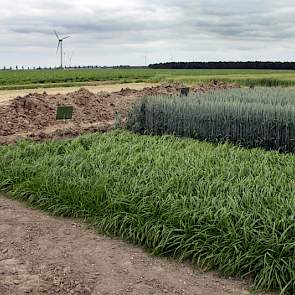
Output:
[[34, 115]]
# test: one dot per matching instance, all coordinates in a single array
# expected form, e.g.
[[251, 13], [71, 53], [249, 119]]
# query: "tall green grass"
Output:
[[252, 118], [221, 206]]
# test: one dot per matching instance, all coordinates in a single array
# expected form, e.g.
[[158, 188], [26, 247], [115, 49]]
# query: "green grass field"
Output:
[[60, 78], [221, 206]]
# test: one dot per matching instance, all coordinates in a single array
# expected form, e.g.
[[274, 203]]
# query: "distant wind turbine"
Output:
[[59, 46], [145, 59], [71, 57]]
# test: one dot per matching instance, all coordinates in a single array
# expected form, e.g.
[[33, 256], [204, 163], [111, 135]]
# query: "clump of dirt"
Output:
[[174, 88], [214, 86], [35, 111], [32, 111], [164, 89], [34, 115]]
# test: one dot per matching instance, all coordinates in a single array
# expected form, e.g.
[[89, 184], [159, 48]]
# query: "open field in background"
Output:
[[220, 206], [63, 78]]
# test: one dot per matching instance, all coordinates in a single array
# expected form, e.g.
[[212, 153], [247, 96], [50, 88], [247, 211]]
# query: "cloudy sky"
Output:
[[112, 32]]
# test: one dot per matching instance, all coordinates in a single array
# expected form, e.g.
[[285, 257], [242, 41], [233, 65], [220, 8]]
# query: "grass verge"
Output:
[[223, 207]]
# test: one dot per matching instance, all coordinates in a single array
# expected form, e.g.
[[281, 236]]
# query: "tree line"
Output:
[[255, 65], [10, 68]]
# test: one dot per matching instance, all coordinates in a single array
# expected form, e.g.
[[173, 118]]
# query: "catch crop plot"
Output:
[[221, 206]]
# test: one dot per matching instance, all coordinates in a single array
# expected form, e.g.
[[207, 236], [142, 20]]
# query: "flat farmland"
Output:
[[29, 79], [218, 205]]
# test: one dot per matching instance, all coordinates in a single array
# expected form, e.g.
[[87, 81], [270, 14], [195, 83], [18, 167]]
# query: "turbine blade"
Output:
[[56, 35], [65, 37]]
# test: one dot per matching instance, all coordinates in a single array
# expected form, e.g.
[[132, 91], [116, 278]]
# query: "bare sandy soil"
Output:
[[6, 95], [40, 254]]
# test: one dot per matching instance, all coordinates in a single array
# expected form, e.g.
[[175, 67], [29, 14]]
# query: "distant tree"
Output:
[[226, 65]]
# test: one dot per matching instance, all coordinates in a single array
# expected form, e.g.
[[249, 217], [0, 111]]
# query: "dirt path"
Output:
[[40, 254], [6, 95]]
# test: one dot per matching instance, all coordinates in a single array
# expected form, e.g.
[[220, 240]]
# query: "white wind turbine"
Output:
[[59, 46]]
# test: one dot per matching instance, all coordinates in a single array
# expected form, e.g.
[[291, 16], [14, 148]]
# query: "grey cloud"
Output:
[[158, 26]]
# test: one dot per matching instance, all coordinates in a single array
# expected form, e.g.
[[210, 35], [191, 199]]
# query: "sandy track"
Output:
[[6, 95], [40, 254]]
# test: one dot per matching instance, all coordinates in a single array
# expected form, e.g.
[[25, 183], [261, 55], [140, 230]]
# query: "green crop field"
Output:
[[260, 117], [52, 78], [221, 206]]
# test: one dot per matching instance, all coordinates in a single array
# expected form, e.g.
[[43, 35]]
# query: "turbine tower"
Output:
[[70, 58], [59, 45]]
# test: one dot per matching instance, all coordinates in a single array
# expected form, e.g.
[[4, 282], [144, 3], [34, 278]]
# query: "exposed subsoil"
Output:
[[40, 254], [34, 115]]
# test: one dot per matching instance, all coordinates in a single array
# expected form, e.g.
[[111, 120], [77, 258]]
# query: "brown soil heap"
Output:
[[35, 113]]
